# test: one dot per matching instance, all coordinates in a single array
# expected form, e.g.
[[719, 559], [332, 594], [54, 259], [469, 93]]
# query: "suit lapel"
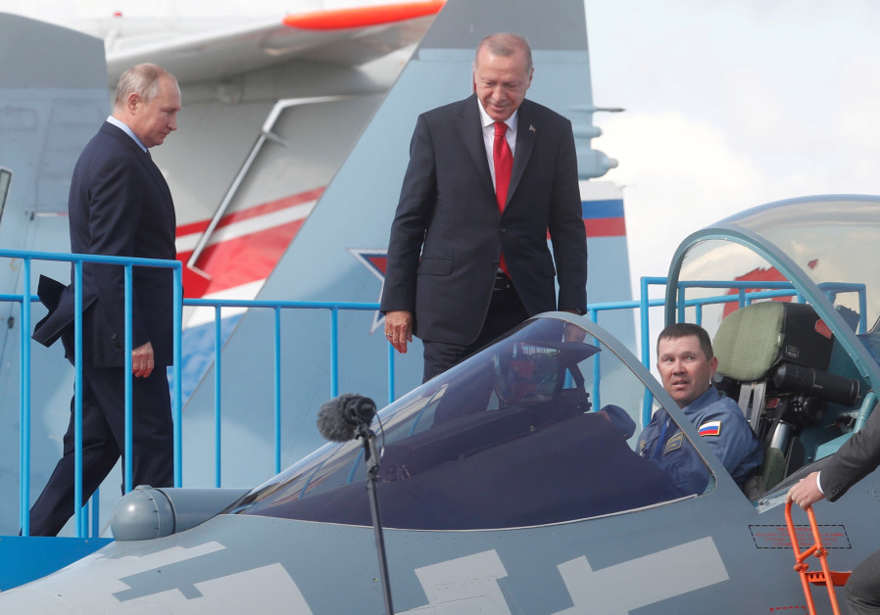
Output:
[[163, 187], [525, 142], [471, 132], [144, 159], [160, 179]]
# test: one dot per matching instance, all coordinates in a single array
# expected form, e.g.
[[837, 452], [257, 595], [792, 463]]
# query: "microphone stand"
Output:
[[372, 460]]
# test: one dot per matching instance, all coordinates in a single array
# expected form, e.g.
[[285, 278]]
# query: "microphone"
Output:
[[339, 418]]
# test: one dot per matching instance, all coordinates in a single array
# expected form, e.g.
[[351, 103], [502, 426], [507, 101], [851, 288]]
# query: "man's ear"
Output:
[[132, 102]]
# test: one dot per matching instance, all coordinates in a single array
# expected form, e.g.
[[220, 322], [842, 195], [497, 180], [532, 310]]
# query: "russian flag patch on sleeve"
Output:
[[710, 428]]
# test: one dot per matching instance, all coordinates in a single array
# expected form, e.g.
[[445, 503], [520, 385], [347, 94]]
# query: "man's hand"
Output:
[[398, 329], [142, 361], [806, 492]]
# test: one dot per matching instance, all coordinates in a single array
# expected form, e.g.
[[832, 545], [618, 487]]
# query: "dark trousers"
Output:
[[103, 427], [863, 587], [505, 312]]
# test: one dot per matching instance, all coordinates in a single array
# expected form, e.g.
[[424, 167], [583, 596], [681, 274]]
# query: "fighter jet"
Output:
[[512, 483]]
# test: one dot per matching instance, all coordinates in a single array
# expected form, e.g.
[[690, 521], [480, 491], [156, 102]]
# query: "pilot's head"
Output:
[[685, 361]]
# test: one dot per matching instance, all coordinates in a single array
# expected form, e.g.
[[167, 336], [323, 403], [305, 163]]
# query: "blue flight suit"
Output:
[[720, 421]]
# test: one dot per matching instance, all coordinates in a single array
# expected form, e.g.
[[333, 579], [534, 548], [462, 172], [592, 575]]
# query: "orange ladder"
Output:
[[826, 577]]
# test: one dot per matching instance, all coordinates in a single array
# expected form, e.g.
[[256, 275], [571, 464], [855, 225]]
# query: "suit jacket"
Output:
[[119, 205], [857, 458], [447, 234]]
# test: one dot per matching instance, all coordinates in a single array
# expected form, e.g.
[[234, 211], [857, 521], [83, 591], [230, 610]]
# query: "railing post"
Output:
[[96, 512], [127, 375], [177, 402], [391, 384], [277, 389], [646, 348], [24, 432], [77, 398], [334, 351], [863, 308], [597, 374], [218, 368], [644, 321], [682, 304]]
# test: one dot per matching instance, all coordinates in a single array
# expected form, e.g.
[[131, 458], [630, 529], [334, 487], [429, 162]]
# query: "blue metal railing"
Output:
[[333, 309], [92, 509], [771, 290], [25, 299]]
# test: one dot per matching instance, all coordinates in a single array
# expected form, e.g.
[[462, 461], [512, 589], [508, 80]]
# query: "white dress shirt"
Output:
[[124, 128]]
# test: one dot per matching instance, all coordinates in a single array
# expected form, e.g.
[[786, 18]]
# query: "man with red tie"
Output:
[[488, 176]]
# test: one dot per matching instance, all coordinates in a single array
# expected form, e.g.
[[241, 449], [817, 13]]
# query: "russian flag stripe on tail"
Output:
[[602, 209]]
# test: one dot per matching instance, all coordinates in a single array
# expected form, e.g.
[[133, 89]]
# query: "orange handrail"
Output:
[[826, 577]]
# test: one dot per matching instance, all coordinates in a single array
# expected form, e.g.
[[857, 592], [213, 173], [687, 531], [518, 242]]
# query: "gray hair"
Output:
[[506, 44], [143, 80]]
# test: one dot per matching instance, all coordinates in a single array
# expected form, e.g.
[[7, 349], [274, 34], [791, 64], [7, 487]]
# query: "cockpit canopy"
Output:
[[538, 428], [788, 292]]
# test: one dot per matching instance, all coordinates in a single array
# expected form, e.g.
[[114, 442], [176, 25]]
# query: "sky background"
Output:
[[731, 104]]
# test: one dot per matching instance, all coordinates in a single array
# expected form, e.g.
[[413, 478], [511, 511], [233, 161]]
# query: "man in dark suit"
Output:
[[858, 457], [487, 177], [119, 205]]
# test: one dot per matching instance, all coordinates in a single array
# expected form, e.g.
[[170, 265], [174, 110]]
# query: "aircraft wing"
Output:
[[350, 36]]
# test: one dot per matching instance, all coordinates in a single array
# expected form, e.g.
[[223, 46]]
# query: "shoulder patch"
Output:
[[673, 443], [710, 428]]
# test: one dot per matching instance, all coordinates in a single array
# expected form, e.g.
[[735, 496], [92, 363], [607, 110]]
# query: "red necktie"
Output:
[[503, 159]]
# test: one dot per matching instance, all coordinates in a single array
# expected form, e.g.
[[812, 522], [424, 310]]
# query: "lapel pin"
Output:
[[532, 128]]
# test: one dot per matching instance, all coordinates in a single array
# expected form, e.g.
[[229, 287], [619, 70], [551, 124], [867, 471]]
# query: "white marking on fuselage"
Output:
[[247, 226], [463, 585], [618, 589], [195, 316], [97, 584], [89, 585]]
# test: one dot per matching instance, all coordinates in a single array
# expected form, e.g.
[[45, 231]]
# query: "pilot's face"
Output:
[[684, 368], [500, 82], [155, 119]]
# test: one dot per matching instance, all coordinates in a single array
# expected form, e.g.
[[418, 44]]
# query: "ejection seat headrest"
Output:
[[748, 340], [754, 338]]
